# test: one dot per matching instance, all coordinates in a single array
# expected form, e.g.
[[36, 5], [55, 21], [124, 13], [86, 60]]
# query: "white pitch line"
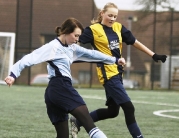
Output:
[[165, 104], [143, 102], [93, 97], [158, 113]]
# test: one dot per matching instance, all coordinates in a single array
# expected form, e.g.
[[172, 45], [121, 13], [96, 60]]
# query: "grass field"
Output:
[[23, 113]]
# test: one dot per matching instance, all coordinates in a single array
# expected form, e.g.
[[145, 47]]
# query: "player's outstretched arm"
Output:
[[143, 48], [146, 50], [9, 80]]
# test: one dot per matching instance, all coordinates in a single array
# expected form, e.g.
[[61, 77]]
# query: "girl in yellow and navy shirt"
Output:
[[106, 35]]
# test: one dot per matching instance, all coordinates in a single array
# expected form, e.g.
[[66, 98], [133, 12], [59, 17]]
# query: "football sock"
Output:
[[135, 131], [94, 116], [96, 133]]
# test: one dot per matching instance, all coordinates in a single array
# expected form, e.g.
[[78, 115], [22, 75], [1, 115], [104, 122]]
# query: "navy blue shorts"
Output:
[[61, 98], [115, 90]]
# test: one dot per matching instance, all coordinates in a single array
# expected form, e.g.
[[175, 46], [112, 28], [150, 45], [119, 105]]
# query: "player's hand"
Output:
[[159, 57], [9, 80], [122, 61]]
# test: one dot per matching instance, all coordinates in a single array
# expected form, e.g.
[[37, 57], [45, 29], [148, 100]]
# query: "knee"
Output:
[[131, 108], [113, 113], [128, 108], [113, 109]]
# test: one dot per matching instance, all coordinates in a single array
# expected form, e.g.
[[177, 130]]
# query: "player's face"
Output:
[[109, 17], [73, 37]]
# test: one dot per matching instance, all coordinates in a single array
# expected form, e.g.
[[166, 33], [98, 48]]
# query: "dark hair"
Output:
[[68, 26]]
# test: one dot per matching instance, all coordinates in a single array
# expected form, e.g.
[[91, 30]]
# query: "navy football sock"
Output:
[[135, 131], [94, 116]]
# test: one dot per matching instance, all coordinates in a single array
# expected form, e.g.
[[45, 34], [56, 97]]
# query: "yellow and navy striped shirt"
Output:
[[109, 41]]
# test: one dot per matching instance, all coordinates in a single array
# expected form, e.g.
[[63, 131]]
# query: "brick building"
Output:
[[34, 23]]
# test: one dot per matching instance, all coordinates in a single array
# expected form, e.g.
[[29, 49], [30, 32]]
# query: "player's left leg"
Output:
[[97, 115], [111, 111], [83, 116]]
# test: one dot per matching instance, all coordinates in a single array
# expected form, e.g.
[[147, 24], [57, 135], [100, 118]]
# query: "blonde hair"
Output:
[[105, 8]]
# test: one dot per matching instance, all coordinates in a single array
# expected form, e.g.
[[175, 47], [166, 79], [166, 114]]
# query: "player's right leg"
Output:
[[131, 123], [81, 113], [62, 129]]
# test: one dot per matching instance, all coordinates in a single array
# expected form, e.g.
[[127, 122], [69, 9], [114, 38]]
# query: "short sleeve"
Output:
[[127, 36], [86, 36]]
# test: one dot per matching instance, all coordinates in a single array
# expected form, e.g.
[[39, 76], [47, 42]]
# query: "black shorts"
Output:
[[115, 90], [61, 98]]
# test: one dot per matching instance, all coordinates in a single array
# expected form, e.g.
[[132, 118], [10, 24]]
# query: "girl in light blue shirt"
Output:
[[60, 96]]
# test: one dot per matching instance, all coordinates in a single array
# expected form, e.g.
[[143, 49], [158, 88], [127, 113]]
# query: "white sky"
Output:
[[130, 4]]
